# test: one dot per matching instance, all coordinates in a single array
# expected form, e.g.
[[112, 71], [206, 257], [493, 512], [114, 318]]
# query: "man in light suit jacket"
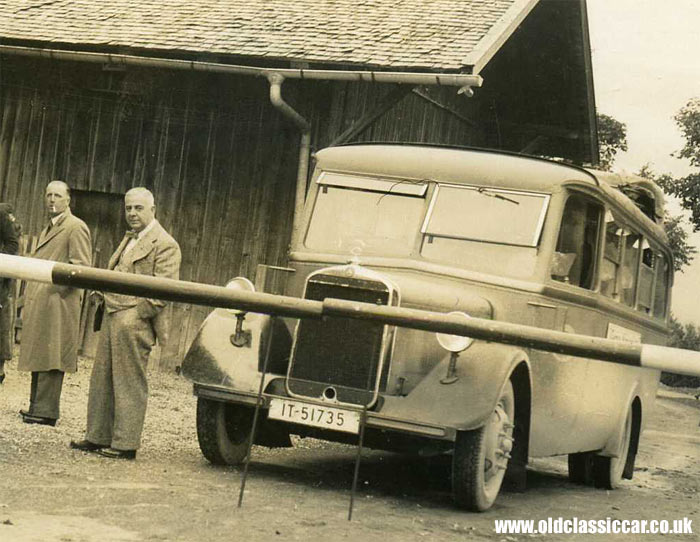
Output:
[[51, 314], [118, 385]]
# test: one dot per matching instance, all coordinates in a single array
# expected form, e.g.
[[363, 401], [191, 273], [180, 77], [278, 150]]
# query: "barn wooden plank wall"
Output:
[[219, 158]]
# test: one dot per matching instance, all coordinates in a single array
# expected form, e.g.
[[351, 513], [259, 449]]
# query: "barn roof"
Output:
[[414, 35]]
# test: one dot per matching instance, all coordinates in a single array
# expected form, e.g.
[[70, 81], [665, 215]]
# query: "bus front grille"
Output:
[[340, 357]]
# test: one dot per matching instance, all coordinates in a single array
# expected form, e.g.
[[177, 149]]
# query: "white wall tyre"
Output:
[[608, 471], [223, 431], [481, 456]]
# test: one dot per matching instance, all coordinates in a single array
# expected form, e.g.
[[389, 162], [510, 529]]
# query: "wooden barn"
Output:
[[218, 106]]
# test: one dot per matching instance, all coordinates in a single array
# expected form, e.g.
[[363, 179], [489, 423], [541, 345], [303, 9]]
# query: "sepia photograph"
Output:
[[379, 270]]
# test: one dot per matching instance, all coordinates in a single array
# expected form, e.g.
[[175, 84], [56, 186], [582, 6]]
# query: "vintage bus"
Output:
[[479, 233]]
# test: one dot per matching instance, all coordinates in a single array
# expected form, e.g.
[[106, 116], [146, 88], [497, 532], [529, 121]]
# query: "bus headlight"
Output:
[[455, 343], [240, 283], [241, 337]]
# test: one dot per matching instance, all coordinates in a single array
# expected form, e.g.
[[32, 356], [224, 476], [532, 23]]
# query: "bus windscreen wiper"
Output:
[[487, 192]]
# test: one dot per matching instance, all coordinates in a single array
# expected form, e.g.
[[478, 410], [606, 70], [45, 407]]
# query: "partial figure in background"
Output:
[[9, 244], [119, 385], [51, 317]]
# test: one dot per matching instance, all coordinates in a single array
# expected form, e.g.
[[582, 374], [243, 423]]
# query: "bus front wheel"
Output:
[[223, 431], [480, 457]]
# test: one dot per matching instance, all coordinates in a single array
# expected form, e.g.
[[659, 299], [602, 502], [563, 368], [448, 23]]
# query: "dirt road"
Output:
[[50, 493]]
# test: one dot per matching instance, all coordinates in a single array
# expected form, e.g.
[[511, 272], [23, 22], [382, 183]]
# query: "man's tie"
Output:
[[129, 234], [46, 231]]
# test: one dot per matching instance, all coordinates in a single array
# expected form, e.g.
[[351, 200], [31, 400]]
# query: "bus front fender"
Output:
[[214, 359], [467, 402]]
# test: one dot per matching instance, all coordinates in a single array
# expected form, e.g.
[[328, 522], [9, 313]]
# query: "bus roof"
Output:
[[453, 165]]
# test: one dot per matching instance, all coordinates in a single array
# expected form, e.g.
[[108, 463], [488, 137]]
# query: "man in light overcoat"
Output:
[[118, 385], [51, 314]]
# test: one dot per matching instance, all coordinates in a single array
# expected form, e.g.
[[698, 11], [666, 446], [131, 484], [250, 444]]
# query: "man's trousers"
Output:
[[118, 384], [45, 394]]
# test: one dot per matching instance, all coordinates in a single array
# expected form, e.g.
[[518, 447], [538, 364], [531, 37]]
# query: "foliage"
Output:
[[683, 252], [688, 120], [687, 189], [685, 336], [612, 137]]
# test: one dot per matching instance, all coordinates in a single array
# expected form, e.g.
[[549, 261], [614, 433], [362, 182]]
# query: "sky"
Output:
[[646, 67]]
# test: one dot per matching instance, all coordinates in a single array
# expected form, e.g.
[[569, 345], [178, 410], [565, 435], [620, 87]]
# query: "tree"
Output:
[[688, 120], [687, 188], [612, 137], [685, 336], [683, 252]]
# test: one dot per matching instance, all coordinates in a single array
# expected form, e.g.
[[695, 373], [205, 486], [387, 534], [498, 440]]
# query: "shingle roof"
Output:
[[406, 34]]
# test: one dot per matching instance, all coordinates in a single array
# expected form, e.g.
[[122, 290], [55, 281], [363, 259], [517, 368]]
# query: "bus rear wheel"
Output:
[[608, 471], [581, 468], [480, 457], [223, 431]]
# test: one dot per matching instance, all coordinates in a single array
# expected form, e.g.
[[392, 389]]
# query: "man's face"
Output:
[[56, 198], [139, 211]]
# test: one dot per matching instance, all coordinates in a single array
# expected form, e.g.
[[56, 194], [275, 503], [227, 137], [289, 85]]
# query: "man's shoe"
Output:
[[25, 412], [2, 378], [28, 418], [86, 445], [113, 453]]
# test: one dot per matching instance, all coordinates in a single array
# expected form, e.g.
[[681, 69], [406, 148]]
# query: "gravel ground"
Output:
[[50, 493], [168, 430]]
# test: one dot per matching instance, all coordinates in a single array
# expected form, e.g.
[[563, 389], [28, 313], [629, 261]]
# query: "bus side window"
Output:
[[576, 250], [630, 265], [646, 279], [661, 286], [612, 257], [653, 282]]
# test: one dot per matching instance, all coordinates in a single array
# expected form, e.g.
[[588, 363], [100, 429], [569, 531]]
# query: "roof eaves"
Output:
[[383, 76], [498, 34]]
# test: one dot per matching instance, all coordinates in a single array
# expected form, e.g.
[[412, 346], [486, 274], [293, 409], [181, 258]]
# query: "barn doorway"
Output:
[[104, 214]]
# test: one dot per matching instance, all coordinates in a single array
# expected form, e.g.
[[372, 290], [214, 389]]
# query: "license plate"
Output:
[[324, 417]]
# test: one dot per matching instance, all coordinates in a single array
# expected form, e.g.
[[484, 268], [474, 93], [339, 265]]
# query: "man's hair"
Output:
[[62, 183], [140, 190]]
